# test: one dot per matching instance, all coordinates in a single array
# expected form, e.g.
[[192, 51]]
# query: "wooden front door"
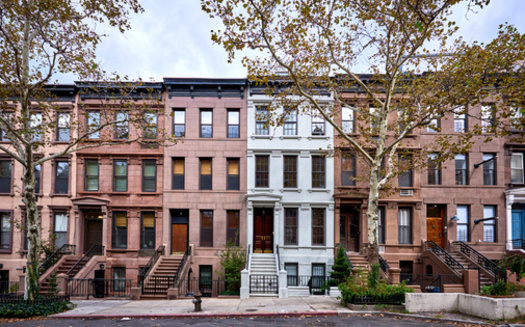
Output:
[[435, 231], [179, 237], [349, 230], [93, 234], [263, 230]]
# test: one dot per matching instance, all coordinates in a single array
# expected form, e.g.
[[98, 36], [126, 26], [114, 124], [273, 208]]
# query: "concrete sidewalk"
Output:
[[233, 307]]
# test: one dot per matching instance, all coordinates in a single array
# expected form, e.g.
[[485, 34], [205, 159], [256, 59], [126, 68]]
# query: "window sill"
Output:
[[51, 195], [268, 137], [59, 142], [262, 189], [318, 137], [6, 251], [319, 190], [7, 194], [291, 190], [290, 137]]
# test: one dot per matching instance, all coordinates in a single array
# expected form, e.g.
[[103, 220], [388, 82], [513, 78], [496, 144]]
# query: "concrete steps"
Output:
[[264, 278], [358, 261], [63, 268], [484, 280], [161, 278]]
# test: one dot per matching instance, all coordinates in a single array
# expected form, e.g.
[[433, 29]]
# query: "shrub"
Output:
[[341, 268], [500, 289], [53, 289], [515, 263], [20, 308], [233, 259]]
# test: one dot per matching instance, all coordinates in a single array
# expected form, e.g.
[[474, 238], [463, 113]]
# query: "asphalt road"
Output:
[[242, 322]]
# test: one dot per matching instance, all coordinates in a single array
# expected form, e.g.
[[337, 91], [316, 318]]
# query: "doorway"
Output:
[[179, 230], [349, 231], [263, 230], [436, 224], [93, 229]]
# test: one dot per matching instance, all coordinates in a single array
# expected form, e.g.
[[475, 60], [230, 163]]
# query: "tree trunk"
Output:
[[372, 214], [33, 234]]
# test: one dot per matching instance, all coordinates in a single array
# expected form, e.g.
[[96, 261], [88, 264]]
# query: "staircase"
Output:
[[484, 280], [264, 278], [161, 278], [358, 261], [64, 267]]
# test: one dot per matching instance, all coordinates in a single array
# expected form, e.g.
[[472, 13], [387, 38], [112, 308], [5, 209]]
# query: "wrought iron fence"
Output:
[[208, 287], [98, 287], [94, 250], [7, 287], [264, 284], [384, 267], [477, 257], [430, 283], [146, 270], [181, 265], [42, 299], [157, 284], [444, 256], [55, 256], [518, 244], [316, 284]]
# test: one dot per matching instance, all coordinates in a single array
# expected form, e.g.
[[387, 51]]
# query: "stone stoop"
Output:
[[484, 280], [263, 265], [166, 267]]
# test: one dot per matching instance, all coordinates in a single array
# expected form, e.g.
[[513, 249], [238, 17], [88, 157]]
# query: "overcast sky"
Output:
[[172, 39]]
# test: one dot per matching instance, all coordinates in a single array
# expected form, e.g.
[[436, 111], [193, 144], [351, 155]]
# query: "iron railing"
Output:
[[264, 284], [477, 257], [94, 250], [518, 244], [19, 299], [316, 284], [55, 256], [98, 287], [384, 266], [444, 256], [431, 283], [157, 284], [208, 287], [346, 255], [181, 266], [156, 255]]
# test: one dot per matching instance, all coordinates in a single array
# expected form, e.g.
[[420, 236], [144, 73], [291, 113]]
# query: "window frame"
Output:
[[205, 180], [118, 240], [38, 178], [292, 279], [203, 125], [178, 180], [290, 171], [262, 171], [381, 225], [60, 128], [290, 122], [489, 169], [460, 120], [56, 179], [233, 221], [233, 127], [88, 177], [261, 121], [3, 180], [513, 168], [434, 126], [145, 179], [35, 123], [404, 228], [405, 178], [348, 120], [291, 219], [150, 125], [490, 211], [318, 172], [461, 173], [121, 126], [318, 125], [8, 116], [487, 113], [464, 224], [117, 178], [9, 247], [203, 230], [145, 235], [92, 124], [233, 181], [348, 177], [55, 213], [319, 230], [177, 124]]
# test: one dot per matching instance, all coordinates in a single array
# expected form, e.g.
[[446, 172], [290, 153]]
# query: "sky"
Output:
[[172, 39]]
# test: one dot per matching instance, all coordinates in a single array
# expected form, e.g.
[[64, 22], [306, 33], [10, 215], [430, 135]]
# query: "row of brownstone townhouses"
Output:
[[155, 218]]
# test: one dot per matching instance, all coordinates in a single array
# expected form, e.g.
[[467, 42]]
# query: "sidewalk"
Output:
[[222, 308]]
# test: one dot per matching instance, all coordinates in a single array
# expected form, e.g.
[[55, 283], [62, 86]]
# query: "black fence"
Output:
[[41, 299], [156, 285], [316, 284], [7, 287], [518, 244], [264, 284], [208, 287], [430, 283], [366, 299], [98, 287]]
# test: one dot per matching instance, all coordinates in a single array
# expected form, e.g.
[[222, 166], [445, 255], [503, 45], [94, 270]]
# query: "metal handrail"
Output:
[[146, 270], [278, 258], [384, 266], [55, 256], [91, 252], [444, 256], [477, 257], [181, 265], [346, 255]]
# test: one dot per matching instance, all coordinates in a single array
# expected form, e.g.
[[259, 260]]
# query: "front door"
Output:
[[179, 237], [435, 224], [93, 231], [349, 230], [263, 230]]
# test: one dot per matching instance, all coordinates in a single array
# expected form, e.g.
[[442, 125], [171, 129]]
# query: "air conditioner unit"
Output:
[[406, 192]]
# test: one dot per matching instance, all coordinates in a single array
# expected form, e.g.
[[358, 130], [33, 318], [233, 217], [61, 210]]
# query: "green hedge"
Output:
[[20, 308]]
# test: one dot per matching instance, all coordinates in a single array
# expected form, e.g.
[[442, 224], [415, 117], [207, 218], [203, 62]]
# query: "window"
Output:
[[516, 168], [60, 229], [318, 278], [232, 231], [92, 172], [150, 125], [460, 120], [7, 117], [516, 119], [205, 279], [119, 276], [434, 169], [290, 172], [233, 182], [487, 118], [318, 125], [233, 124], [290, 226], [292, 273], [62, 177], [381, 225], [463, 223], [36, 127], [63, 132], [318, 225], [374, 120], [5, 231], [261, 124], [120, 175], [178, 174], [205, 174], [318, 172], [262, 169], [149, 175], [348, 170], [119, 238], [290, 122], [93, 124], [489, 226], [5, 176], [147, 231], [461, 169], [434, 126], [207, 228], [405, 225], [121, 125], [347, 120], [179, 122], [405, 176], [38, 177], [206, 123], [489, 169]]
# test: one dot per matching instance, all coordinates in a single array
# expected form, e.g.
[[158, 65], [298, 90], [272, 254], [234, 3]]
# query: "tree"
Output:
[[38, 40], [314, 45]]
